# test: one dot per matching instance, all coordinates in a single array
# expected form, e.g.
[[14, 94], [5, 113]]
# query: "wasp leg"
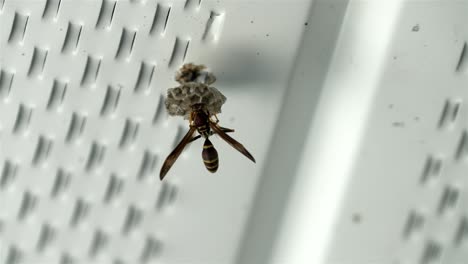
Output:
[[191, 119], [194, 138], [226, 130], [216, 118]]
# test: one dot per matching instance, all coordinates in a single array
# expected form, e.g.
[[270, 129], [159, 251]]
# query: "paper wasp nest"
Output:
[[193, 89]]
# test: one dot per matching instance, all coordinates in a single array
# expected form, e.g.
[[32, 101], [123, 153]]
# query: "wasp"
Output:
[[199, 103]]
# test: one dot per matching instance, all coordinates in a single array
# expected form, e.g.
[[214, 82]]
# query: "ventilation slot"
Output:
[[61, 183], [132, 220], [213, 27], [414, 224], [72, 38], [462, 149], [160, 111], [179, 52], [111, 100], [28, 204], [114, 189], [57, 94], [179, 135], [161, 17], [192, 4], [100, 241], [37, 63], [462, 65], [167, 196], [95, 157], [151, 250], [51, 9], [462, 232], [18, 29], [129, 133], [125, 48], [450, 113], [6, 81], [46, 237], [91, 71], [43, 148], [118, 261], [23, 118], [80, 212], [432, 253], [76, 128], [14, 256], [9, 173], [106, 14], [144, 77], [148, 165], [432, 169], [67, 259], [448, 200]]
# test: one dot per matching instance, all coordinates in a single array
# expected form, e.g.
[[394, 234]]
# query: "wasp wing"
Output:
[[220, 131], [175, 153]]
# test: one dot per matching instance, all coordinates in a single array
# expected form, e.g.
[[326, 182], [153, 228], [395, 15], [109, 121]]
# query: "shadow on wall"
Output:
[[246, 65]]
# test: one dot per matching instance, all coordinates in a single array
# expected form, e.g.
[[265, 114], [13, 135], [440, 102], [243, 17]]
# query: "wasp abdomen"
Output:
[[210, 156]]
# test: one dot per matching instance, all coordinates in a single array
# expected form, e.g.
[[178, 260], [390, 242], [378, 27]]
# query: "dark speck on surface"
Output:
[[398, 124], [357, 218], [416, 118], [390, 106], [395, 57], [415, 28], [251, 21], [306, 24]]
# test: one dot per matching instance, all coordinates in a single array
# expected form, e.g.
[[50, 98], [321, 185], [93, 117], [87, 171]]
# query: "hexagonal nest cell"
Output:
[[194, 89]]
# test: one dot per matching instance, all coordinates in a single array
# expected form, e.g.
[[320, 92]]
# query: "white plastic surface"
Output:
[[384, 174], [84, 133], [356, 112]]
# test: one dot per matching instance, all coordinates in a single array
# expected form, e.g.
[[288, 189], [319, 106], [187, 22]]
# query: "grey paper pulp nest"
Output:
[[194, 88]]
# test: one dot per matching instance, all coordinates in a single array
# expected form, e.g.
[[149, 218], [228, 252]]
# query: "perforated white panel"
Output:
[[84, 130], [356, 112], [407, 198], [384, 174]]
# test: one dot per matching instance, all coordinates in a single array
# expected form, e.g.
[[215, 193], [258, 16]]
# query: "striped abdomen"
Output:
[[210, 156]]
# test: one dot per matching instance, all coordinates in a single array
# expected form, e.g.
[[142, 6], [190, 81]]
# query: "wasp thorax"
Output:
[[210, 156]]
